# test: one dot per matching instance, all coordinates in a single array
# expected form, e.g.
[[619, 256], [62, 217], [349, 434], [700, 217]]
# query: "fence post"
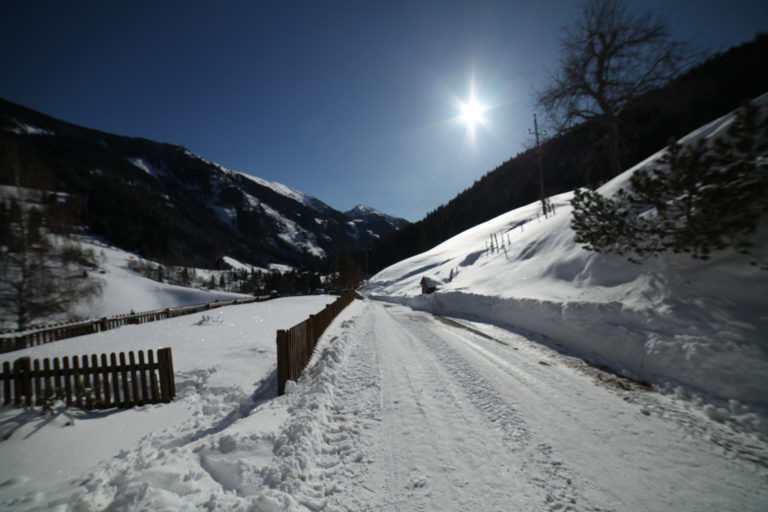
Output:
[[124, 377], [167, 384], [282, 361], [104, 324], [23, 381], [310, 337], [143, 378], [6, 383], [105, 380], [134, 381]]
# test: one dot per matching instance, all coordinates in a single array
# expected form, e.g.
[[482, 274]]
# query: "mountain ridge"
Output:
[[166, 203]]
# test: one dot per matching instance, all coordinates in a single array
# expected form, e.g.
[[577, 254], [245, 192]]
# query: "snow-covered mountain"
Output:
[[672, 321], [171, 205], [371, 224]]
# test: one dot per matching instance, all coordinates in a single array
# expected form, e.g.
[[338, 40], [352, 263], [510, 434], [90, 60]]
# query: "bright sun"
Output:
[[471, 113]]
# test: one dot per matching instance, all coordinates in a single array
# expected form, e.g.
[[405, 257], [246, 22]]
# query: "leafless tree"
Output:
[[39, 277], [609, 56]]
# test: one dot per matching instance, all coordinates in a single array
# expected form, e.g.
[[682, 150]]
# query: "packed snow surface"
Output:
[[399, 410], [698, 327]]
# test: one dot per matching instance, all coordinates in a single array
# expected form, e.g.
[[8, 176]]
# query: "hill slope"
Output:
[[576, 159], [671, 321]]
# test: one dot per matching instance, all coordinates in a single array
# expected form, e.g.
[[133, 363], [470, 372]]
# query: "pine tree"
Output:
[[348, 274], [184, 276], [700, 198]]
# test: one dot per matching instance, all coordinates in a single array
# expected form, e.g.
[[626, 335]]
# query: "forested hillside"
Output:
[[167, 204], [577, 158]]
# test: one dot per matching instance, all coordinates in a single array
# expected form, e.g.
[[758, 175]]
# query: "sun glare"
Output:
[[471, 113]]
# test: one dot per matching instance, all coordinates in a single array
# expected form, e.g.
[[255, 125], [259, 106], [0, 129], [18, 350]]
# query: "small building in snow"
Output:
[[428, 285]]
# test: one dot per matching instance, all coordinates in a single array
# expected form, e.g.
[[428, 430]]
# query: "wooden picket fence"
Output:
[[296, 345], [90, 382], [10, 340]]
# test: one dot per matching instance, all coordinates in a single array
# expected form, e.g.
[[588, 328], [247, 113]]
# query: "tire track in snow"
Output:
[[681, 413], [611, 444], [435, 376], [539, 458], [407, 478]]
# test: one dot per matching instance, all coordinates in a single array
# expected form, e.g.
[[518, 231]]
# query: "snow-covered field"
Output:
[[126, 290], [698, 328], [223, 368]]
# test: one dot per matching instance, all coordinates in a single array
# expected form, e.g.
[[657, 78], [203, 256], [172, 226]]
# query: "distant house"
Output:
[[428, 285]]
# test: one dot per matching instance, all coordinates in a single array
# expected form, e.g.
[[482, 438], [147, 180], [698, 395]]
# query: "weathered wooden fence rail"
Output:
[[91, 382], [296, 345], [12, 340]]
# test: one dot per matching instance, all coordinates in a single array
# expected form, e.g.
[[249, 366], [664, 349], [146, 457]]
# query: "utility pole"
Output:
[[541, 172]]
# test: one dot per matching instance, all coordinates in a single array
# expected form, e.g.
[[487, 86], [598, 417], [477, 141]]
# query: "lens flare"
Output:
[[472, 112]]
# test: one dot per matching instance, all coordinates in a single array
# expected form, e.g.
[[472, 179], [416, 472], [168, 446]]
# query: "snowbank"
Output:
[[672, 321]]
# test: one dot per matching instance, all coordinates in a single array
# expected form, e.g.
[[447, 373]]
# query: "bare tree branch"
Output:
[[609, 56]]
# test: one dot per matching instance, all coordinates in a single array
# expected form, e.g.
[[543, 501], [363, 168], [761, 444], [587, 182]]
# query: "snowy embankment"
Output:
[[673, 321]]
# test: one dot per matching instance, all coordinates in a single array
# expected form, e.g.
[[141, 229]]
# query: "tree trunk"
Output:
[[614, 156]]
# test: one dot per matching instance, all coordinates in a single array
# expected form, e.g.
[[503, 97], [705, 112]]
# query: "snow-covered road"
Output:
[[428, 415], [399, 410]]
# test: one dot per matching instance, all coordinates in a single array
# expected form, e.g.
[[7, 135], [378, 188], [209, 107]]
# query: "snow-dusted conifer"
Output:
[[701, 198]]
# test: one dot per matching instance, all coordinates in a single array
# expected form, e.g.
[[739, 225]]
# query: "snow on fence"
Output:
[[98, 384], [296, 345], [69, 330]]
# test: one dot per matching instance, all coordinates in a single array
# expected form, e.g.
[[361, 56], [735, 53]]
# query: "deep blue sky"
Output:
[[349, 101]]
